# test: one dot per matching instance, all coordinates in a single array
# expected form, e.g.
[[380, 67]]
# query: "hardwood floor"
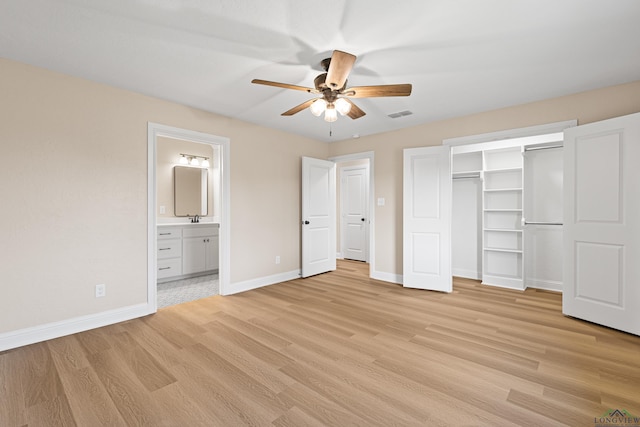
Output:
[[335, 349]]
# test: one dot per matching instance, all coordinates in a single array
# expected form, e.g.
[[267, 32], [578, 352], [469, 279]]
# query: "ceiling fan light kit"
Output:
[[330, 114], [343, 106], [318, 107], [333, 91]]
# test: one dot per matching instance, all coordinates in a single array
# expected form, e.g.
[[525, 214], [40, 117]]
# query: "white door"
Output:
[[602, 223], [426, 221], [354, 182], [318, 216]]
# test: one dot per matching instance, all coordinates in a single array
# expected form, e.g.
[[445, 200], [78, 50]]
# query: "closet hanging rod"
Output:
[[541, 223], [546, 147], [470, 176]]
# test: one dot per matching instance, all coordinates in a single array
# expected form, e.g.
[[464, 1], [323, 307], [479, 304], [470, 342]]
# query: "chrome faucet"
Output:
[[195, 219]]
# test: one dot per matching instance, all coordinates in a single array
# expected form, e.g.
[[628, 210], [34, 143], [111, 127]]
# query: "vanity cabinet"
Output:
[[199, 249], [186, 251], [169, 252]]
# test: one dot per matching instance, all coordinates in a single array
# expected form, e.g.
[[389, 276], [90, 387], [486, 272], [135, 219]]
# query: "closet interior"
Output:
[[507, 212]]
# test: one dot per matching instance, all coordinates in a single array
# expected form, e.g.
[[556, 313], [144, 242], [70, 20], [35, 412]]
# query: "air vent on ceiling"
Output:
[[400, 114]]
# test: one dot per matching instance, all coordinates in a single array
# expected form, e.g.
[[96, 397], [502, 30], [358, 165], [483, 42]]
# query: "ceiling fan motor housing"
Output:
[[330, 95], [319, 81]]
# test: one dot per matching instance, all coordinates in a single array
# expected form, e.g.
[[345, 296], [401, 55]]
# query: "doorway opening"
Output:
[[355, 210], [215, 212]]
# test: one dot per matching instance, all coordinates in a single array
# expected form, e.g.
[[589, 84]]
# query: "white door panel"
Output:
[[601, 223], [427, 218], [318, 216], [355, 205]]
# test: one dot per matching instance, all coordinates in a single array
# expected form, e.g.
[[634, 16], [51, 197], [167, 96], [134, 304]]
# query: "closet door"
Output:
[[602, 223], [426, 233]]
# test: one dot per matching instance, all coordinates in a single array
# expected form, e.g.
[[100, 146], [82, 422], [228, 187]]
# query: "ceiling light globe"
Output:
[[343, 106], [330, 115], [195, 162], [183, 160], [205, 163], [318, 107]]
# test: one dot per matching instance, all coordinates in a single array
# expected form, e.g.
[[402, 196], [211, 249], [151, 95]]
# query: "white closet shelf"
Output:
[[469, 172], [502, 210], [514, 251], [495, 190], [508, 230]]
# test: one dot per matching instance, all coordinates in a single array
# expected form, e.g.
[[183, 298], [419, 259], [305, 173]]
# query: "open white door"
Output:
[[601, 266], [318, 216], [426, 221]]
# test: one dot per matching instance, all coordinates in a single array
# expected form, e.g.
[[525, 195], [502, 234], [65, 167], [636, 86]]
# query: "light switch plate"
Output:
[[380, 201], [163, 210]]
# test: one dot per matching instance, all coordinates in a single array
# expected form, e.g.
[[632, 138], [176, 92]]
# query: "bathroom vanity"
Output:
[[187, 250]]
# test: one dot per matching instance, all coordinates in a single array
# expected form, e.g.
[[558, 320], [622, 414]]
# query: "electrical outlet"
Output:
[[278, 259], [101, 290]]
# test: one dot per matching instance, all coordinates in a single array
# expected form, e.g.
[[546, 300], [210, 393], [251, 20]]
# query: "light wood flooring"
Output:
[[336, 349]]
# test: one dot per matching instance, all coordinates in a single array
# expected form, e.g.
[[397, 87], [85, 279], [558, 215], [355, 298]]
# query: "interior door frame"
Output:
[[369, 155], [343, 224], [155, 130]]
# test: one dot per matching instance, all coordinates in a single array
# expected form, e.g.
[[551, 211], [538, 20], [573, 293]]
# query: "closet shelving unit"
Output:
[[502, 218], [467, 165]]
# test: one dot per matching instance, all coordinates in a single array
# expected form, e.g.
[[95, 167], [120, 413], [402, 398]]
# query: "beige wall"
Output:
[[586, 107], [74, 194]]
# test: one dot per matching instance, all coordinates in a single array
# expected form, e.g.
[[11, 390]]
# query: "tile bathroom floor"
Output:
[[180, 291]]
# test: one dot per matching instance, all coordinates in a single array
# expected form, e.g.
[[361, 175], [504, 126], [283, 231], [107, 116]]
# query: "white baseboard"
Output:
[[339, 255], [549, 285], [248, 285], [467, 274], [387, 277], [26, 336]]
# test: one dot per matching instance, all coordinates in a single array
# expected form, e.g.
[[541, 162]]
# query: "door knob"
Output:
[[306, 223], [361, 219]]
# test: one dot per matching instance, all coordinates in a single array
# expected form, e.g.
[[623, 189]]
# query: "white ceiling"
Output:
[[462, 56]]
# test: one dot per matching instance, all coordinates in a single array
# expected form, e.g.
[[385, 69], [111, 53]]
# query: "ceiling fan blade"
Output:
[[283, 85], [299, 108], [355, 112], [339, 69], [377, 91]]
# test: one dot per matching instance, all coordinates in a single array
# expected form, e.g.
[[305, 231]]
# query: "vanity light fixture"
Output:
[[193, 160]]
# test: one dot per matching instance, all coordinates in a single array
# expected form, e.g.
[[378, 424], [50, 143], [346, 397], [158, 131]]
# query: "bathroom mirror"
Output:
[[190, 191]]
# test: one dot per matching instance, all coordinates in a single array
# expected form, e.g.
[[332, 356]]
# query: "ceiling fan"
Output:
[[333, 91]]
